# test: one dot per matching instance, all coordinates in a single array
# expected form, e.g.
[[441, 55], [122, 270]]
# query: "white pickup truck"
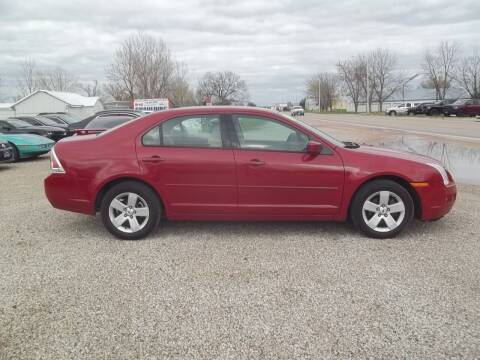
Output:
[[297, 110], [401, 109]]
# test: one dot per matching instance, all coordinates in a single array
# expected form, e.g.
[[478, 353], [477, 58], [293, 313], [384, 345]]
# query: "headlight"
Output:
[[442, 172]]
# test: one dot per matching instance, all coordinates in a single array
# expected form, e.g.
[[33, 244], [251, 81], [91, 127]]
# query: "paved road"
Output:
[[451, 128]]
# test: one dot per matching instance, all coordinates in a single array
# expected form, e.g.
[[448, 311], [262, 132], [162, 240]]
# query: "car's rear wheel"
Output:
[[382, 209], [434, 112], [392, 113], [130, 210]]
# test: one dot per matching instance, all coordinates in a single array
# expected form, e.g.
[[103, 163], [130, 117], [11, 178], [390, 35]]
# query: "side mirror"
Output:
[[314, 148]]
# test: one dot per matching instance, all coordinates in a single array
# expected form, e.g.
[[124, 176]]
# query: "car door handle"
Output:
[[256, 162], [154, 159]]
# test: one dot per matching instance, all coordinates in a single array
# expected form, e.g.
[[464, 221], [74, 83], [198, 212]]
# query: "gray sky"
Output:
[[273, 45]]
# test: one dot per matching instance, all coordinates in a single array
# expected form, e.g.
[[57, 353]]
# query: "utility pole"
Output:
[[368, 91], [319, 97], [405, 83]]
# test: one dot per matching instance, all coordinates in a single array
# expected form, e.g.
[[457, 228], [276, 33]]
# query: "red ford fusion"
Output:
[[241, 164]]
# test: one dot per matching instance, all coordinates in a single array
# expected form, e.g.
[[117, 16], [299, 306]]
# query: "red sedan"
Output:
[[234, 163]]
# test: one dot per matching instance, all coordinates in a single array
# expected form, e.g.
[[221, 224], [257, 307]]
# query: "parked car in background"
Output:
[[463, 107], [401, 109], [132, 114], [238, 163], [436, 108], [297, 110], [62, 117], [27, 145], [17, 126], [6, 151], [39, 120], [420, 109]]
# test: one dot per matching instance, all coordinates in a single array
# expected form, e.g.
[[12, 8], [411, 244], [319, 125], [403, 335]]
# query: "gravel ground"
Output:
[[242, 290]]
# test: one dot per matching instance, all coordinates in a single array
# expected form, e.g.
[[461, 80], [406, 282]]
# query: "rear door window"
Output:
[[203, 131]]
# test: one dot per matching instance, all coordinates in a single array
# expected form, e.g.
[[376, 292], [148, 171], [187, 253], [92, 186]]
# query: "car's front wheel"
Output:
[[130, 210], [16, 153], [382, 209]]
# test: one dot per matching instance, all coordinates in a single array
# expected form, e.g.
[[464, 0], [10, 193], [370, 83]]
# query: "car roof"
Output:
[[217, 109]]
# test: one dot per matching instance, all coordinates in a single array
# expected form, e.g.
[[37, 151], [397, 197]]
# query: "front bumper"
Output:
[[6, 154], [437, 200], [33, 150], [452, 111]]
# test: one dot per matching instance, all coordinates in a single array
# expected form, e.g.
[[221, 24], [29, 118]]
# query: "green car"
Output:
[[27, 145]]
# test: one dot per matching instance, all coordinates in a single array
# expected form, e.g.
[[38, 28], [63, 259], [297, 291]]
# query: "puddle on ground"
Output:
[[462, 161]]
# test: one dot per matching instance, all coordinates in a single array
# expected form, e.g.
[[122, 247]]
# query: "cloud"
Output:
[[273, 45]]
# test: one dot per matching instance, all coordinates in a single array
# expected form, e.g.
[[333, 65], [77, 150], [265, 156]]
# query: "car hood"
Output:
[[25, 139], [395, 154]]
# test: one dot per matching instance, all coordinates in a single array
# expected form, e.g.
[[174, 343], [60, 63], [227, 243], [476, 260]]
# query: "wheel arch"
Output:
[[109, 184], [15, 150], [399, 180]]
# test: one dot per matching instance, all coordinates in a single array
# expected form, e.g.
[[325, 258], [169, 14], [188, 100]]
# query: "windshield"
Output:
[[68, 118], [460, 102], [320, 133], [18, 123], [46, 121]]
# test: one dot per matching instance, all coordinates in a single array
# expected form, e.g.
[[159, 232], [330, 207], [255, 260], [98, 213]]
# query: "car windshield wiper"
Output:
[[351, 145]]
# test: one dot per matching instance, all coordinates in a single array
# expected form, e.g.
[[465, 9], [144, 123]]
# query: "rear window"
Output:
[[107, 122]]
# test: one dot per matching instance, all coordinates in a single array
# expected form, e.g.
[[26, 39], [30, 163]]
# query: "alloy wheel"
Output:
[[128, 212], [383, 211]]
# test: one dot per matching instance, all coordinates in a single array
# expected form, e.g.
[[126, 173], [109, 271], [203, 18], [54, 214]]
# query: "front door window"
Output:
[[257, 133]]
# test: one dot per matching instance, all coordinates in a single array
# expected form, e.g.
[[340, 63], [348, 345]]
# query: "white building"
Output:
[[6, 110], [55, 101]]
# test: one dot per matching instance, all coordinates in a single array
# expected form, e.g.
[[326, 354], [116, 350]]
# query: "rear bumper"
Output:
[[67, 193], [437, 200], [57, 137]]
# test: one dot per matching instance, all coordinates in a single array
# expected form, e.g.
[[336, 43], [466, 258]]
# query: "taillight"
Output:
[[88, 131], [55, 165]]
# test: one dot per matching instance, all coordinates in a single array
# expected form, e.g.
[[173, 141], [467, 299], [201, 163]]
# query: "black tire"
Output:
[[146, 194], [434, 112], [16, 153], [392, 113], [366, 191]]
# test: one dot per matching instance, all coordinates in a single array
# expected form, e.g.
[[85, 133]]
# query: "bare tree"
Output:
[[26, 81], [225, 87], [438, 66], [180, 91], [56, 79], [122, 72], [329, 86], [351, 72], [143, 66], [90, 88], [383, 80], [468, 75], [117, 91]]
